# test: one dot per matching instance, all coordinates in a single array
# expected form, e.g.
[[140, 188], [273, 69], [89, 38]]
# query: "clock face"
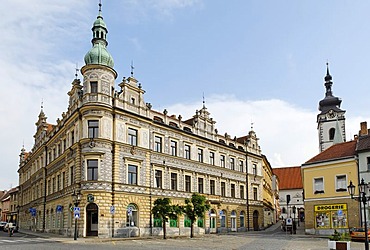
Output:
[[331, 114]]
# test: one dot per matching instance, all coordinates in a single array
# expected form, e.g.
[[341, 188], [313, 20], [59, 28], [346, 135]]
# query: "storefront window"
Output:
[[331, 216]]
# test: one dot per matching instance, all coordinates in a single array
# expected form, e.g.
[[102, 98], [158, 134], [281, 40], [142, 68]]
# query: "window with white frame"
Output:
[[174, 148], [200, 186], [212, 187], [173, 181], [341, 183], [158, 144], [187, 151], [132, 136], [318, 185], [212, 158], [232, 163], [241, 166], [92, 170], [200, 155], [187, 183], [158, 178], [132, 174], [222, 161], [93, 128]]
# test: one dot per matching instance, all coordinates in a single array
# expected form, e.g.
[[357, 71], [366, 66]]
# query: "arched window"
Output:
[[283, 210], [223, 218], [331, 133], [241, 218], [132, 215]]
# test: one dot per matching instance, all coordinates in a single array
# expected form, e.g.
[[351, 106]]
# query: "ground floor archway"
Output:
[[92, 220]]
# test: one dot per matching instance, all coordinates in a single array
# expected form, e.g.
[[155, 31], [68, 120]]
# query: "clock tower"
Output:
[[331, 119]]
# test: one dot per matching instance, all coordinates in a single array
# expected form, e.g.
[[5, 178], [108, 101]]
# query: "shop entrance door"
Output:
[[92, 220]]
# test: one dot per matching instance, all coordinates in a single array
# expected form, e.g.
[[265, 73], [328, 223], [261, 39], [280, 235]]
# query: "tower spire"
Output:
[[99, 53], [204, 102], [132, 68]]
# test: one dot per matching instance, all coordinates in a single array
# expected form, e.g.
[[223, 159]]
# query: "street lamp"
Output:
[[362, 188], [17, 221], [76, 200]]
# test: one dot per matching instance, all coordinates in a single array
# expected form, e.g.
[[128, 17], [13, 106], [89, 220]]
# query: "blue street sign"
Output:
[[77, 215], [76, 209], [112, 209], [59, 208]]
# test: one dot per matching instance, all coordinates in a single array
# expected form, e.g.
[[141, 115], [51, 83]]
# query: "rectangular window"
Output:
[[132, 136], [94, 87], [64, 144], [232, 190], [254, 169], [187, 151], [71, 175], [368, 163], [223, 189], [200, 186], [93, 128], [72, 137], [53, 190], [255, 193], [187, 183], [341, 183], [49, 187], [92, 170], [63, 179], [212, 187], [319, 185], [58, 182], [173, 181], [241, 192], [232, 163], [174, 148], [241, 166], [200, 155], [158, 179], [158, 144], [222, 161], [132, 174], [212, 158]]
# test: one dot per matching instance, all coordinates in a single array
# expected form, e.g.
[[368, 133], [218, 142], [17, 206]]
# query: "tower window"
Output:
[[94, 87], [331, 133]]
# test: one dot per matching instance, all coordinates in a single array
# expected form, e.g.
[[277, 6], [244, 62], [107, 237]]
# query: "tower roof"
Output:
[[99, 54], [330, 101]]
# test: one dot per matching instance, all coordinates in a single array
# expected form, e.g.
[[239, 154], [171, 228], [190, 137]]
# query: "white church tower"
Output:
[[331, 119]]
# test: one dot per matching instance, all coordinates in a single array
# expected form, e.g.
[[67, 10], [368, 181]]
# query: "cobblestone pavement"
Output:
[[273, 239]]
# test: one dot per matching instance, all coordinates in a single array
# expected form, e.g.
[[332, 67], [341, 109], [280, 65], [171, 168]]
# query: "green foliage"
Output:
[[195, 208], [336, 236], [163, 210]]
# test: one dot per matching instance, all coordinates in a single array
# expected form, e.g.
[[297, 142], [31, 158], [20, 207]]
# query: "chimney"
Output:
[[363, 130]]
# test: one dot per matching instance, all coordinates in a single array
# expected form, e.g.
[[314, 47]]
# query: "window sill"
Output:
[[319, 192], [341, 190]]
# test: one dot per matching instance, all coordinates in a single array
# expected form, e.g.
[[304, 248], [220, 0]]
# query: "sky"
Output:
[[257, 63]]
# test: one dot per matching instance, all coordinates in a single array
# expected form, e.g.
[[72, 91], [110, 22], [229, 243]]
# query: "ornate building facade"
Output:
[[120, 155]]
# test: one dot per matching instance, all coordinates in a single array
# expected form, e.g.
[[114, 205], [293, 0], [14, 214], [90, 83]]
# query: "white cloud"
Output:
[[287, 133], [32, 69]]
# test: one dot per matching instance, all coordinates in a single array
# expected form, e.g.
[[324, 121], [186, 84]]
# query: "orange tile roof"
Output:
[[335, 152], [289, 178]]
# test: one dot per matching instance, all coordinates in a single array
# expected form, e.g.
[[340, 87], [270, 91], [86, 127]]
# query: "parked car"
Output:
[[358, 234], [2, 225]]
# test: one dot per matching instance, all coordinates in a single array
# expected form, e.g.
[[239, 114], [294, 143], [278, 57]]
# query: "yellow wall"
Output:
[[328, 171]]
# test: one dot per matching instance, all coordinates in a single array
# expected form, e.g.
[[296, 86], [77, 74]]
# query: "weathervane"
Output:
[[76, 69]]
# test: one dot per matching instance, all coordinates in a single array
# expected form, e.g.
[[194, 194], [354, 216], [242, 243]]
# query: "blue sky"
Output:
[[255, 61]]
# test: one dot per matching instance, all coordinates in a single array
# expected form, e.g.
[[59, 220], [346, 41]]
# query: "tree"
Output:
[[195, 208], [163, 209]]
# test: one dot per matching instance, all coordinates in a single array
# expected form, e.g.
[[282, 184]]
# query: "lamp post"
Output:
[[363, 189], [76, 200], [17, 220], [294, 224]]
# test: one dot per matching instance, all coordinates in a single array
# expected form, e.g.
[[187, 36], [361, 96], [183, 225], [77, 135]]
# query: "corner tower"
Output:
[[331, 119], [98, 72]]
